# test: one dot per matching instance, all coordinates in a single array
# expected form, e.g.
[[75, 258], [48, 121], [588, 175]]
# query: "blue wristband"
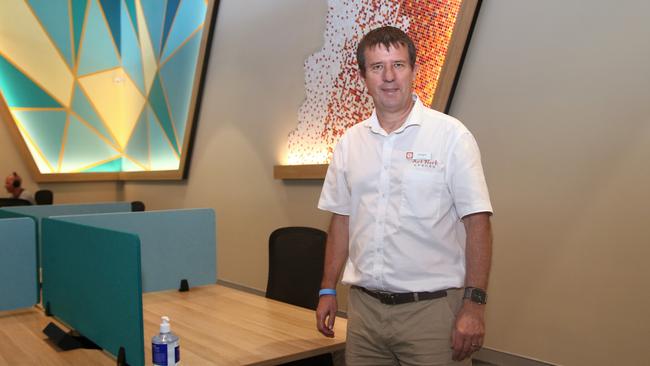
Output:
[[327, 291]]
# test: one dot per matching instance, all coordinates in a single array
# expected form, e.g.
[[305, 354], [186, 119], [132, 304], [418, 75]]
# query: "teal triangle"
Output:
[[131, 56], [45, 128], [130, 4], [20, 91], [129, 166], [81, 105], [159, 105], [138, 146], [111, 166], [178, 76], [98, 50], [154, 13], [84, 147], [56, 20], [170, 13], [78, 14], [113, 17], [190, 16], [162, 155]]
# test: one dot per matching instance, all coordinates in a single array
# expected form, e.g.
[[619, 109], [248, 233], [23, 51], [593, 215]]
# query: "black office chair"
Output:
[[296, 258], [6, 202], [44, 197], [137, 206]]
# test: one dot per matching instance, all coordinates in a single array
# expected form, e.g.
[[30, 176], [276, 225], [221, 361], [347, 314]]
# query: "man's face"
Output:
[[389, 77]]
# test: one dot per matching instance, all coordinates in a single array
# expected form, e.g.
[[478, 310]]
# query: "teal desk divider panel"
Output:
[[175, 244], [18, 270], [8, 214], [91, 282], [40, 212], [43, 211]]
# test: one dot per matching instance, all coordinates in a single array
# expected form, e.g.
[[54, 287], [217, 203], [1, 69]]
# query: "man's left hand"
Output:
[[468, 333]]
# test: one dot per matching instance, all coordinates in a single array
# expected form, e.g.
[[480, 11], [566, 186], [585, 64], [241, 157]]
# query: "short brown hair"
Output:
[[387, 36]]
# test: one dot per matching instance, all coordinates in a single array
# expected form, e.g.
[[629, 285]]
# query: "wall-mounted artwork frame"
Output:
[[448, 58], [97, 90]]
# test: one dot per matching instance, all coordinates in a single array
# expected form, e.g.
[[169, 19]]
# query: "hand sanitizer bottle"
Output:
[[164, 346]]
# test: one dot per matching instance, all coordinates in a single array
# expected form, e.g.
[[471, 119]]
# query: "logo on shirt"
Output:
[[422, 159]]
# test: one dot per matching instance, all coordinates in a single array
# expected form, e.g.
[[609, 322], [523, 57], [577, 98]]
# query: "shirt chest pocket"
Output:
[[422, 190]]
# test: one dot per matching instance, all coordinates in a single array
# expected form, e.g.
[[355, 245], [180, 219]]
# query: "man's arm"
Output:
[[336, 253], [467, 336]]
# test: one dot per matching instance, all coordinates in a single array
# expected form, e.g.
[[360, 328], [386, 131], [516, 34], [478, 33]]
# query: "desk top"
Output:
[[23, 342], [219, 325]]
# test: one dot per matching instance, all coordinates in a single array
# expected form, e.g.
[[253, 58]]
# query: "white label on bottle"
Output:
[[171, 353]]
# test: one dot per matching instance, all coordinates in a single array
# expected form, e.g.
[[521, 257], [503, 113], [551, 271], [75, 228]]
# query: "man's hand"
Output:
[[467, 336], [326, 314]]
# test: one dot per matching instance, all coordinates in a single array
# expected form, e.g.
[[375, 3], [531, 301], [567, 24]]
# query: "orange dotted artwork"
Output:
[[336, 97]]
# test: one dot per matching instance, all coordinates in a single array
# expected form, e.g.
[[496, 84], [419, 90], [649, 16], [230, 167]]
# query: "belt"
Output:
[[390, 298]]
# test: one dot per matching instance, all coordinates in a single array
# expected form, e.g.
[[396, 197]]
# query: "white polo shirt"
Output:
[[405, 193]]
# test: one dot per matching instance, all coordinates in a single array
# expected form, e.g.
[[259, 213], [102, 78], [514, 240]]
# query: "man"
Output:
[[411, 223], [13, 185]]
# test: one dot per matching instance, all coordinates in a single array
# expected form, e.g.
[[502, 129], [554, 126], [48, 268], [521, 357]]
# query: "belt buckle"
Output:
[[390, 298]]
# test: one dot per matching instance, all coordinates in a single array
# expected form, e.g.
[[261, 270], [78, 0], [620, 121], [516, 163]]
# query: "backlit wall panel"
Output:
[[336, 96], [102, 85]]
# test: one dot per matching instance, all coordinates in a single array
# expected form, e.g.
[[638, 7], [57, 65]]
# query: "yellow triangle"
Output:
[[117, 101], [149, 65]]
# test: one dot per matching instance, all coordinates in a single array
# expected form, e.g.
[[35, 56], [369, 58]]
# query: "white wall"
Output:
[[558, 96]]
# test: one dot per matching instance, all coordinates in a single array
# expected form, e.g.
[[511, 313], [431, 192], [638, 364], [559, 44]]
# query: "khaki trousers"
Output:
[[417, 333]]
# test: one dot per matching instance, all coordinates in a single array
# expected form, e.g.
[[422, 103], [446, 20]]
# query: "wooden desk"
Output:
[[219, 325], [23, 343]]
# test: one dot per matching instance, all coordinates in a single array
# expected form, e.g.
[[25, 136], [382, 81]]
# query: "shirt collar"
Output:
[[412, 119]]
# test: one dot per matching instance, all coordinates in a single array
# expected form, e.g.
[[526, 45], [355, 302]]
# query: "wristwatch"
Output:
[[476, 295]]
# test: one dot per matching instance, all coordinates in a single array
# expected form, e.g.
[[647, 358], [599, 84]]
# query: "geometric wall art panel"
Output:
[[336, 97], [44, 127], [98, 50], [177, 75], [20, 90], [160, 109], [55, 19], [84, 149], [104, 89], [85, 111], [138, 147], [166, 155]]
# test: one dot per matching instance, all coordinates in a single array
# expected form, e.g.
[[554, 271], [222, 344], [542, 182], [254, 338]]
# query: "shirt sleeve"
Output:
[[466, 178], [335, 196]]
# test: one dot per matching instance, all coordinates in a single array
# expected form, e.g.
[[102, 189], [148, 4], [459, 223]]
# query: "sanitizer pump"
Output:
[[164, 346]]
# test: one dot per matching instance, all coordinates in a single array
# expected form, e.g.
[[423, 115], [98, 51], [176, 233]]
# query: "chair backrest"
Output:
[[6, 202], [44, 197], [296, 258], [137, 206]]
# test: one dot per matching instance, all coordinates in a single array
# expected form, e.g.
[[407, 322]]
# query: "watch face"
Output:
[[478, 296], [475, 295]]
